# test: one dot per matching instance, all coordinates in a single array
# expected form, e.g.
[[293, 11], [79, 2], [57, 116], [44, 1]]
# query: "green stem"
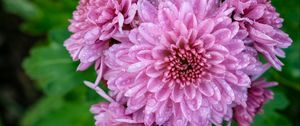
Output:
[[286, 82]]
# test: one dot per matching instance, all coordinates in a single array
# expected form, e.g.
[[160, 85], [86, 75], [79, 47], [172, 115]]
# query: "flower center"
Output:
[[186, 66]]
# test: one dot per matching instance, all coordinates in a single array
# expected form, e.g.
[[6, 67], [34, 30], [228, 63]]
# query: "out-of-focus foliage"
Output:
[[52, 68], [42, 15], [269, 117], [57, 111], [290, 74], [67, 100], [23, 8]]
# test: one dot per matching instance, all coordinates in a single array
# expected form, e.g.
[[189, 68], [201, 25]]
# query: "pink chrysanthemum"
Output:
[[93, 24], [263, 23], [111, 114], [258, 95], [185, 66], [177, 62]]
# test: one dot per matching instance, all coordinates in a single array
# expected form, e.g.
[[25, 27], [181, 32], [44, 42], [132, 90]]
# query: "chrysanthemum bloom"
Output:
[[263, 23], [258, 95], [255, 68], [94, 23], [111, 114], [184, 66]]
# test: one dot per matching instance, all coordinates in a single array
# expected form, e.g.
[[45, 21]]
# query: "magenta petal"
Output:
[[152, 72], [185, 111], [151, 106], [261, 37], [147, 11], [206, 26], [231, 78], [200, 8], [133, 91], [194, 104], [190, 92], [164, 93], [208, 41], [138, 66], [167, 14], [235, 46], [155, 85], [163, 114], [123, 81], [217, 93], [220, 48], [149, 32], [159, 52], [257, 12], [177, 94], [83, 66], [244, 80], [215, 57], [222, 35], [206, 89], [131, 14], [226, 88], [218, 69], [135, 103]]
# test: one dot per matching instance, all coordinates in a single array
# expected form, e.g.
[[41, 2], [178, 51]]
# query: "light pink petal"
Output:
[[155, 85], [206, 26], [138, 66], [215, 57], [256, 13], [222, 35], [190, 92], [164, 93], [133, 91], [208, 40], [206, 89], [177, 94], [147, 11], [194, 104]]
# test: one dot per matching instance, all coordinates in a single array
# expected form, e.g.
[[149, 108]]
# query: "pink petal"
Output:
[[257, 12], [133, 91], [147, 11], [222, 35], [177, 94], [206, 27], [138, 66], [190, 92], [194, 104], [152, 72], [164, 93], [208, 41], [206, 89], [155, 85]]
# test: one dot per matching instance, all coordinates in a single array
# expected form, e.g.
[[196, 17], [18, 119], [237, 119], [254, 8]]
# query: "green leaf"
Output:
[[52, 68], [42, 15], [53, 14], [291, 25], [270, 116], [23, 8], [55, 111], [290, 69], [58, 35]]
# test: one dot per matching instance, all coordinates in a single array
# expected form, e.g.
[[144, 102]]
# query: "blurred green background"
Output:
[[39, 85]]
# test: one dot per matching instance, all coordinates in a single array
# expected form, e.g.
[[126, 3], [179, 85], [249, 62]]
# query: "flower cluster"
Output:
[[177, 62]]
